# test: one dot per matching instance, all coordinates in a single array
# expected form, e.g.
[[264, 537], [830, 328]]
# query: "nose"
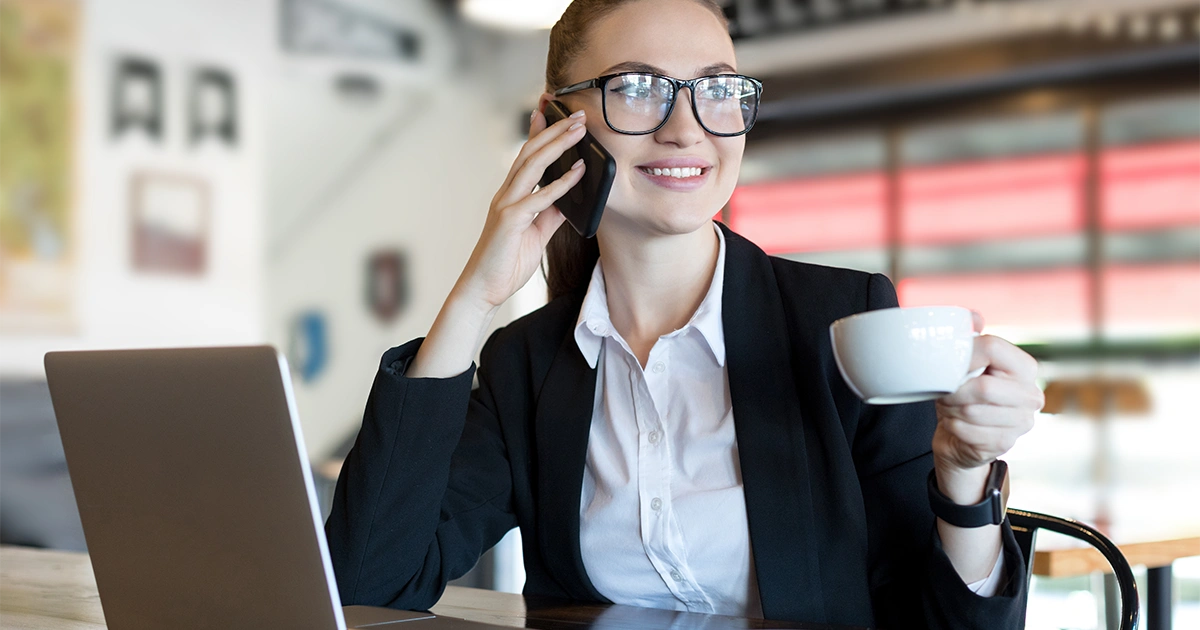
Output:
[[682, 127]]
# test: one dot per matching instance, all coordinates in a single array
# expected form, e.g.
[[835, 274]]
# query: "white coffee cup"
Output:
[[903, 355]]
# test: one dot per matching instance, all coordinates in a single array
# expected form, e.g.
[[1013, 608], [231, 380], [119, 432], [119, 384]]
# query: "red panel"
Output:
[[812, 214], [1151, 186], [992, 200], [1160, 294], [1055, 298]]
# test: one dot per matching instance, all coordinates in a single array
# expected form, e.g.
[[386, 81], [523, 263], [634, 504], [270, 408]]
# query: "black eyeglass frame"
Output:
[[676, 85]]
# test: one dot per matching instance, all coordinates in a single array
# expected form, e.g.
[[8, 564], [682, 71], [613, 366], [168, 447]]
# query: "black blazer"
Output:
[[840, 524]]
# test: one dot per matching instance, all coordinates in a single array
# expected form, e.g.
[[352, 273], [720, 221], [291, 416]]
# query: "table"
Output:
[[55, 590], [1157, 556]]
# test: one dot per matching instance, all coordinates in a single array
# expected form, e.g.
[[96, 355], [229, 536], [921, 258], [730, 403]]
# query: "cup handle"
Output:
[[973, 374]]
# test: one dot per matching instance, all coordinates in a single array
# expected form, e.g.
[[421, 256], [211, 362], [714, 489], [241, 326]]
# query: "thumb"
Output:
[[977, 320], [547, 223]]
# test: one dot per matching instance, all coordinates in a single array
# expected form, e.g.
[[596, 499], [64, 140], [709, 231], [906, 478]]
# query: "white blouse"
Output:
[[662, 512]]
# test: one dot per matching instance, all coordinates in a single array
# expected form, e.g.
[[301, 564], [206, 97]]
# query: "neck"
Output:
[[656, 283]]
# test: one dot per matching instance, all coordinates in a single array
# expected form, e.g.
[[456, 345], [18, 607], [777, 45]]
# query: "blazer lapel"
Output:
[[564, 416], [770, 436]]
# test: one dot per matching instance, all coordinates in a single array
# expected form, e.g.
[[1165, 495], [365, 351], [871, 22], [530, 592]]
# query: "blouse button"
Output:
[[676, 575], [654, 437], [656, 504], [660, 367]]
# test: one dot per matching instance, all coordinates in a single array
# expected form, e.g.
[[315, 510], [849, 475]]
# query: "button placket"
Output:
[[653, 472]]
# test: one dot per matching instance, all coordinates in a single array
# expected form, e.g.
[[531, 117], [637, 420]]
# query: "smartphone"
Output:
[[583, 205]]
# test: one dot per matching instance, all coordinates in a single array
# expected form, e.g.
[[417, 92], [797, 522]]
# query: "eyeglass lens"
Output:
[[637, 103]]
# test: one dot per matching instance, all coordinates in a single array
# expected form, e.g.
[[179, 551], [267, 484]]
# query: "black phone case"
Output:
[[583, 205]]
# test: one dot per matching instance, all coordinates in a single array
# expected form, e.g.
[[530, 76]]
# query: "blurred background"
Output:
[[314, 173]]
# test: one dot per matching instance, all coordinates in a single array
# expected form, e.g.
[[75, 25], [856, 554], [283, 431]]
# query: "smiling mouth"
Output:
[[677, 173]]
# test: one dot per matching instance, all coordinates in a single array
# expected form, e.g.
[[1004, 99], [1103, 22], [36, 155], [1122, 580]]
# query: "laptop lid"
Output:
[[192, 481]]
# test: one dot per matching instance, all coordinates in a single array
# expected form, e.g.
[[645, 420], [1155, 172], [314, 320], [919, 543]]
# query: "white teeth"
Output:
[[678, 173]]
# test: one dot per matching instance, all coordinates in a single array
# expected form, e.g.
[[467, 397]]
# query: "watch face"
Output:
[[997, 505], [997, 490], [991, 510]]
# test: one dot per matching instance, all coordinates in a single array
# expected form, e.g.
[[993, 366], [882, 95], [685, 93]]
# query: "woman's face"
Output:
[[680, 39]]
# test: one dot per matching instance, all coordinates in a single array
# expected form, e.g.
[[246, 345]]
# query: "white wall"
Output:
[[115, 306], [428, 155], [400, 200], [316, 183]]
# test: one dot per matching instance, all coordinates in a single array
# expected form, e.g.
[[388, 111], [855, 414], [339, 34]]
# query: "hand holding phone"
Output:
[[583, 205]]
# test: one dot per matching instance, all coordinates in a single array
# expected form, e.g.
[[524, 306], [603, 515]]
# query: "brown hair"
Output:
[[571, 257]]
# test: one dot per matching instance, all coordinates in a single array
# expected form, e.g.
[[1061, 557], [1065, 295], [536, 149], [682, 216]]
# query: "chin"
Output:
[[666, 221], [683, 221]]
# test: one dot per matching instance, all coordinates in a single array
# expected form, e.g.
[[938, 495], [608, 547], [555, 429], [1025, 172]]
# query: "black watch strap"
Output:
[[989, 511]]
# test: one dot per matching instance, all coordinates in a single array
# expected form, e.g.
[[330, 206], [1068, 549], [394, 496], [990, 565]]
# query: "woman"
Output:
[[669, 430]]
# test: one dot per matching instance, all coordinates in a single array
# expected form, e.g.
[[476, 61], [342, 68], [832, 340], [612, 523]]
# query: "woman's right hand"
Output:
[[519, 224], [520, 221]]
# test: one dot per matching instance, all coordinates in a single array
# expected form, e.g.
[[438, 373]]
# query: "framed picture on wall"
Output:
[[387, 283], [170, 223], [213, 107], [137, 98]]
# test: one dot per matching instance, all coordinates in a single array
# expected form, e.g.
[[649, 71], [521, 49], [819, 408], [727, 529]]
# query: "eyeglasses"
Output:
[[637, 103]]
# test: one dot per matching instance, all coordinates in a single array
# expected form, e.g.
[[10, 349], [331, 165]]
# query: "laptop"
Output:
[[195, 493]]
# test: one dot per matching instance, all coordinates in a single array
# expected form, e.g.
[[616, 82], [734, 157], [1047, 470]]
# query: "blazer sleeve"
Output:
[[911, 577], [425, 490]]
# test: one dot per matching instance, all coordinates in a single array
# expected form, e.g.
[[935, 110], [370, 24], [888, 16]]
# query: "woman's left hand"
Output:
[[983, 419]]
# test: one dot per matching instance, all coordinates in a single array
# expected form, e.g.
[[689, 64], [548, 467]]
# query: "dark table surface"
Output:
[[545, 613]]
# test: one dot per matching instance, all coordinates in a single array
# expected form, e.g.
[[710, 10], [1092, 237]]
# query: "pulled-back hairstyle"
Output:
[[570, 257]]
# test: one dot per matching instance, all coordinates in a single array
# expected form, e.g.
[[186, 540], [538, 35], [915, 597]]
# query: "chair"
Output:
[[1025, 525]]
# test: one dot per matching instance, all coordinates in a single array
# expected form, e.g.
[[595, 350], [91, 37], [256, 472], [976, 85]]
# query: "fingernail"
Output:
[[533, 114], [575, 126], [577, 164], [578, 114]]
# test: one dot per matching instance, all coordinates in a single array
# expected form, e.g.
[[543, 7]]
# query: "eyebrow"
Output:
[[638, 66]]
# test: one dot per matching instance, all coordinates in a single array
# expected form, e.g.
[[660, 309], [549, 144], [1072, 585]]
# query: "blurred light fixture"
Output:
[[989, 10], [1139, 27], [1169, 28], [1024, 16], [1107, 24], [526, 15], [1046, 19], [1077, 22]]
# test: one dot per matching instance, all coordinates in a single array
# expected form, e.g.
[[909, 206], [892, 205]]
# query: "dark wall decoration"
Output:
[[308, 345], [387, 284], [212, 106], [137, 98]]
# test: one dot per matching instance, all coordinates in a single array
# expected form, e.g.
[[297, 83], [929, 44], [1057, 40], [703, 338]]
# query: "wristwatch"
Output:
[[989, 511]]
